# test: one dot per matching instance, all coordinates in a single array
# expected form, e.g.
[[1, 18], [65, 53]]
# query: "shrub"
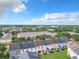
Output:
[[51, 51], [45, 53]]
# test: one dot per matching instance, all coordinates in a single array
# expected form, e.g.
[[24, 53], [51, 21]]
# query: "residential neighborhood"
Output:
[[39, 29], [19, 44]]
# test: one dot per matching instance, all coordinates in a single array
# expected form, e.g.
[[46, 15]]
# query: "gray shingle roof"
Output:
[[29, 55], [23, 55], [14, 47], [26, 45], [46, 42], [76, 51], [61, 40], [23, 45]]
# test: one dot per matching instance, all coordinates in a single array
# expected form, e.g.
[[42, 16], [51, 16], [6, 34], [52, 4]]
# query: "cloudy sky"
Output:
[[39, 12]]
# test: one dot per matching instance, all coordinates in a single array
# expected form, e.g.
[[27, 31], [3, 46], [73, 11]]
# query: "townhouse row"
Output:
[[39, 46]]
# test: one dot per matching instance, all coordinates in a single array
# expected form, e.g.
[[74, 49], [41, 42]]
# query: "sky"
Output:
[[40, 12]]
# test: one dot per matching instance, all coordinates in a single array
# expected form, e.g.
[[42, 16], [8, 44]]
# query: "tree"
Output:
[[62, 34], [14, 39], [75, 37], [37, 37], [2, 50], [41, 37], [28, 39], [1, 34], [14, 32], [21, 39]]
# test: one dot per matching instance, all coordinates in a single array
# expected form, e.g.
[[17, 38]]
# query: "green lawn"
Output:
[[56, 55]]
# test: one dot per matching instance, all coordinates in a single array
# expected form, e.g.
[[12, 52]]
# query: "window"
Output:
[[22, 50], [31, 49]]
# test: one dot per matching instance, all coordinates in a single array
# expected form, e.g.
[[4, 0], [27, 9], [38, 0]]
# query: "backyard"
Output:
[[56, 55]]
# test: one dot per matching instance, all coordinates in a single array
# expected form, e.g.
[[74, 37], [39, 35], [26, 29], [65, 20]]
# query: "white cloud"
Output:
[[53, 16], [57, 17], [19, 8], [14, 5], [72, 20]]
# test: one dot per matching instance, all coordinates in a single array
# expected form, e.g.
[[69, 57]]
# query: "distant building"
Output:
[[73, 50], [34, 34], [7, 38]]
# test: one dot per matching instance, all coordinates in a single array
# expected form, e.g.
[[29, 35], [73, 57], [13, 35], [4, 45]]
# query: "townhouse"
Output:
[[52, 43], [28, 46], [47, 45], [62, 42], [40, 46], [73, 50], [15, 53]]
